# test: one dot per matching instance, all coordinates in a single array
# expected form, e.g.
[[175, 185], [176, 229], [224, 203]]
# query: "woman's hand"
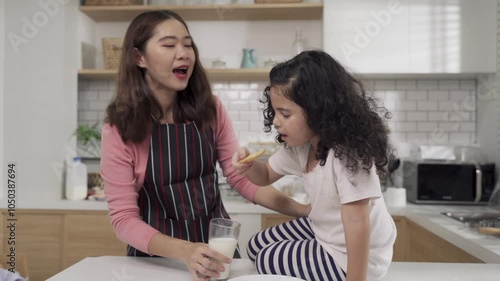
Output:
[[241, 168], [203, 262]]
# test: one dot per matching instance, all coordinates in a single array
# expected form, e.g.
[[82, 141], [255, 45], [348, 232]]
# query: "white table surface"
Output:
[[138, 269]]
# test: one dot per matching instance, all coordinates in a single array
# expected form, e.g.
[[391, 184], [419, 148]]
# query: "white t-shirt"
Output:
[[328, 187]]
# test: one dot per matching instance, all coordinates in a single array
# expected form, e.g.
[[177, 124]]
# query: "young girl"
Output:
[[335, 139], [163, 135]]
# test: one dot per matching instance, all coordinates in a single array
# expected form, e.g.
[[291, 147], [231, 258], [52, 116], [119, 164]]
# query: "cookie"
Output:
[[252, 157]]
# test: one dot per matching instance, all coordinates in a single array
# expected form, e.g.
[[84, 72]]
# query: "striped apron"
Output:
[[180, 193]]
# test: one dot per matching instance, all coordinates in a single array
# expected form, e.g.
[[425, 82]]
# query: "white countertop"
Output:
[[480, 246], [138, 269]]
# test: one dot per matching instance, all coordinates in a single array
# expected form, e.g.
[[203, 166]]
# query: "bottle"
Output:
[[76, 180], [299, 44]]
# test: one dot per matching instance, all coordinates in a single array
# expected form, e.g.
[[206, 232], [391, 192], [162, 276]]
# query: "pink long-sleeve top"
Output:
[[123, 168]]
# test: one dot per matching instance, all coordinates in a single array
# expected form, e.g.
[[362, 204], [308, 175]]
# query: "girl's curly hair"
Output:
[[337, 110]]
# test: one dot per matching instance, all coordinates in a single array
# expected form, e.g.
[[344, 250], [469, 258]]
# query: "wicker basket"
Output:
[[112, 2], [94, 179], [111, 50]]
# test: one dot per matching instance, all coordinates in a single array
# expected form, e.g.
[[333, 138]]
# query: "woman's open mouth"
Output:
[[181, 72]]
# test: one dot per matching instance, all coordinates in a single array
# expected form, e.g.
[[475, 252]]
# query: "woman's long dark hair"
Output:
[[132, 108], [337, 110]]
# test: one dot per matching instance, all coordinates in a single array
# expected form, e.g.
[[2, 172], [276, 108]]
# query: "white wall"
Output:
[[2, 61], [40, 93]]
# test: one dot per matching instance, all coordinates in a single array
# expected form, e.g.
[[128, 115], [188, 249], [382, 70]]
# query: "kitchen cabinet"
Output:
[[39, 236], [269, 220], [424, 246], [412, 36], [400, 246], [53, 240], [89, 234], [250, 224]]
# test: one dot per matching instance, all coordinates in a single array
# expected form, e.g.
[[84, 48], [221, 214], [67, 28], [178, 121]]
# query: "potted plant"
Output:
[[88, 140]]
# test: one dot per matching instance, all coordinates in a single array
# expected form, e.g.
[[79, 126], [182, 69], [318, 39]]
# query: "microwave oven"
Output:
[[445, 182]]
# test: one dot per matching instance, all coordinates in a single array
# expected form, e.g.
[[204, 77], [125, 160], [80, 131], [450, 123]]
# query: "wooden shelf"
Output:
[[258, 74], [235, 74], [296, 11]]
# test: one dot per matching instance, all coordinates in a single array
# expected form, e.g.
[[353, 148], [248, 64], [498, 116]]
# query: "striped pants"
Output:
[[291, 249]]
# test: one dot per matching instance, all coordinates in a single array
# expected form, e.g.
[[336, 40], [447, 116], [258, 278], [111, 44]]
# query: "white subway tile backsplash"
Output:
[[438, 136], [405, 126], [449, 84], [418, 138], [467, 127], [438, 115], [99, 85], [427, 126], [398, 115], [397, 137], [406, 105], [98, 105], [241, 125], [445, 105], [385, 85], [438, 95], [88, 96], [83, 85], [249, 116], [238, 86], [257, 126], [101, 117], [422, 111], [228, 95], [460, 95], [460, 138], [427, 105], [427, 84], [83, 105], [106, 95], [220, 86], [234, 115], [406, 84], [468, 85], [88, 115], [416, 116], [460, 116], [237, 105], [449, 126], [249, 95], [256, 106], [380, 95], [390, 105], [416, 95], [394, 95]]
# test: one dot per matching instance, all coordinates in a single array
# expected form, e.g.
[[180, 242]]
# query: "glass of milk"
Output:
[[223, 237]]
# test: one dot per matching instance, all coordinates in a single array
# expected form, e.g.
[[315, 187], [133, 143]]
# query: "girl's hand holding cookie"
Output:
[[242, 160]]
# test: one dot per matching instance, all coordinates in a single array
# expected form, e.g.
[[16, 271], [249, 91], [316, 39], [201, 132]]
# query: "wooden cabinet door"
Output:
[[37, 236], [269, 220], [425, 246], [90, 234], [400, 245]]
